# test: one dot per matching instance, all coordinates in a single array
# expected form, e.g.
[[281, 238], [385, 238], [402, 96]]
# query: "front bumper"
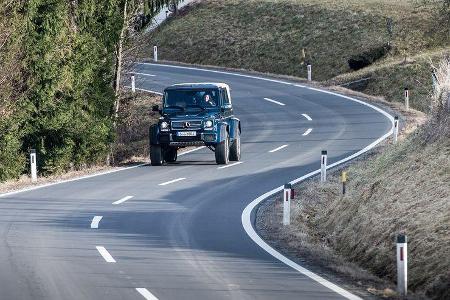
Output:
[[201, 139]]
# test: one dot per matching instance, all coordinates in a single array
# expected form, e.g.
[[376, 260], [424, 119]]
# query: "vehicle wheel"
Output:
[[222, 152], [235, 149], [156, 155], [171, 154]]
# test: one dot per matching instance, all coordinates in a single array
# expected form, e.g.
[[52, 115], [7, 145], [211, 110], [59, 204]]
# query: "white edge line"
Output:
[[69, 180], [105, 254], [307, 117], [246, 214], [230, 165], [277, 149], [247, 224], [122, 200], [172, 181], [144, 90], [274, 101], [146, 294], [143, 74], [95, 221], [307, 132], [36, 187]]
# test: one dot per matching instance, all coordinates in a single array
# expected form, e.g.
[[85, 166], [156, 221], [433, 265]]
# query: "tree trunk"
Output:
[[118, 71]]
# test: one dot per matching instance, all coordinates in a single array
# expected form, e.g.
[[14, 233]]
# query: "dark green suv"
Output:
[[195, 114]]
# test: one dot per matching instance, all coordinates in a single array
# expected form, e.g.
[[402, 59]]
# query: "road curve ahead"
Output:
[[175, 232]]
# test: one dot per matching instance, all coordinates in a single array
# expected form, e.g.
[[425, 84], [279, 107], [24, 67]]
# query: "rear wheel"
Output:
[[171, 154], [156, 155], [223, 151], [235, 149]]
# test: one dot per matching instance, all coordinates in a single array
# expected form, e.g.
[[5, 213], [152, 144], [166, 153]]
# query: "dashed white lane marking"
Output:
[[105, 254], [274, 101], [277, 149], [143, 74], [189, 151], [307, 117], [122, 200], [95, 221], [230, 165], [146, 294], [307, 132], [172, 181]]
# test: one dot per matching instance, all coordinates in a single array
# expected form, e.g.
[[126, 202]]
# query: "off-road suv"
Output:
[[197, 114]]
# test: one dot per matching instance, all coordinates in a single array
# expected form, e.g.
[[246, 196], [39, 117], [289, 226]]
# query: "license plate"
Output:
[[186, 133]]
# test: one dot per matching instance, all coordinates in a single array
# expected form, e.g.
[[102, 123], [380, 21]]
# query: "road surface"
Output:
[[175, 232]]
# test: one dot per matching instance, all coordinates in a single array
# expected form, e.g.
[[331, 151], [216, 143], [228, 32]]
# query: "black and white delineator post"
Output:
[[395, 129], [287, 196], [309, 68], [33, 165], [406, 98], [402, 264], [323, 166], [133, 84], [155, 53]]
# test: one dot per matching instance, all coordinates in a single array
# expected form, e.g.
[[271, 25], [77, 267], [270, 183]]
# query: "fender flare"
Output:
[[234, 128]]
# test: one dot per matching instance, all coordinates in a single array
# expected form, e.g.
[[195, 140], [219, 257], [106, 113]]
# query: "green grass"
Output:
[[269, 35]]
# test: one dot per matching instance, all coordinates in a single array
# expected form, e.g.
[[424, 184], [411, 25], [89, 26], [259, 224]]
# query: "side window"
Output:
[[226, 100]]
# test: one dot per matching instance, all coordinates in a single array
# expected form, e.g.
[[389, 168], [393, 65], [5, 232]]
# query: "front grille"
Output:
[[181, 125]]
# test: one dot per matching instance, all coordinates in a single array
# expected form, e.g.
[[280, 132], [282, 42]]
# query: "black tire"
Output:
[[235, 149], [223, 152], [170, 154], [156, 155]]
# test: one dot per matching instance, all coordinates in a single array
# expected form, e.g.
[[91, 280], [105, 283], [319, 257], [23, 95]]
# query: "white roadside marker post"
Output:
[[395, 129], [287, 195], [155, 53], [402, 264], [448, 101], [406, 98], [33, 165], [309, 68], [344, 181], [133, 84], [323, 166]]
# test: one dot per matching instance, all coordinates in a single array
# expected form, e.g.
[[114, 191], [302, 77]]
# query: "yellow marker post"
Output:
[[344, 181]]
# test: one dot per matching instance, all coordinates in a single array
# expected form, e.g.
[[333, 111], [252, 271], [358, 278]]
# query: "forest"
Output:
[[60, 69]]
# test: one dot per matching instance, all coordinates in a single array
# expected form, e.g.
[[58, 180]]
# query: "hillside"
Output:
[[268, 36], [398, 188]]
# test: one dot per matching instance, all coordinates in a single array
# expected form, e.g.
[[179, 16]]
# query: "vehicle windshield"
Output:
[[192, 99]]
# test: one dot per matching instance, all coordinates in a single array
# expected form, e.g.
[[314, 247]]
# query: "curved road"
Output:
[[175, 232]]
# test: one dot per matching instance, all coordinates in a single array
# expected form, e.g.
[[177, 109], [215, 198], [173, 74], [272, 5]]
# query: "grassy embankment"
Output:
[[269, 35]]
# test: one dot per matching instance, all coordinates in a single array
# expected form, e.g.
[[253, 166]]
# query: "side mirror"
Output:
[[155, 108]]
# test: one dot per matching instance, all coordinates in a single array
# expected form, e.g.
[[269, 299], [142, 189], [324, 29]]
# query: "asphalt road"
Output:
[[185, 239]]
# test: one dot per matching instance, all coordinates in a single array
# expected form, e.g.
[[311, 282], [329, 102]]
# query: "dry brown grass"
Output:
[[135, 118], [404, 189]]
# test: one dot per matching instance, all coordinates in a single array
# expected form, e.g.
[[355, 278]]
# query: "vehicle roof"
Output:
[[199, 85]]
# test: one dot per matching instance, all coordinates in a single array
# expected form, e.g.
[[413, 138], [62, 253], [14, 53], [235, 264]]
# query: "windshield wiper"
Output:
[[175, 106], [196, 105]]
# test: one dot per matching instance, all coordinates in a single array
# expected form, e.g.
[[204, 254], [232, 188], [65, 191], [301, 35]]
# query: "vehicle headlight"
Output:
[[209, 124], [164, 125]]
